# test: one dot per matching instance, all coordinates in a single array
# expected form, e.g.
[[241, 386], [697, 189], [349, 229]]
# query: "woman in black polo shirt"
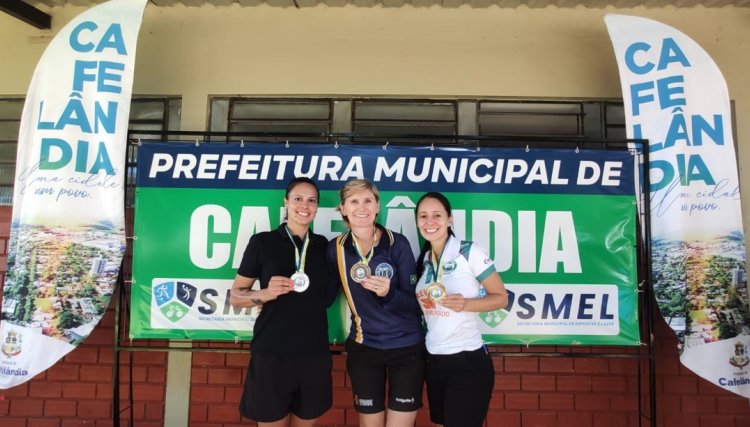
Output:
[[289, 378]]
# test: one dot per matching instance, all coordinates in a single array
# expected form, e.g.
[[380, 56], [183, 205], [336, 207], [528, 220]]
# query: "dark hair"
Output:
[[301, 180], [426, 247]]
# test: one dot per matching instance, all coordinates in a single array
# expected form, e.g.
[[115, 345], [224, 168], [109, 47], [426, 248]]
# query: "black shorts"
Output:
[[279, 385], [369, 368], [459, 387]]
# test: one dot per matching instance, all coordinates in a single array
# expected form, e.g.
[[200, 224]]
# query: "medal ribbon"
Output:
[[365, 260], [299, 260], [437, 266]]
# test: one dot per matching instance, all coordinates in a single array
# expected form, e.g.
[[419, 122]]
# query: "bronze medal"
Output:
[[359, 271]]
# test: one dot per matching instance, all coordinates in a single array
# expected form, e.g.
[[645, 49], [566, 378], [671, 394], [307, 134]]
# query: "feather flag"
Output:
[[676, 97], [68, 226]]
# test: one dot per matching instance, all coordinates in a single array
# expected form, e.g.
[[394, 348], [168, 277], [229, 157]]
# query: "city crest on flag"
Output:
[[12, 343], [740, 357]]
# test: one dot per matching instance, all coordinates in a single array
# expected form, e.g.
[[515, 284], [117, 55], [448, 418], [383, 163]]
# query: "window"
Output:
[[519, 118], [379, 120], [151, 118], [10, 121], [263, 119]]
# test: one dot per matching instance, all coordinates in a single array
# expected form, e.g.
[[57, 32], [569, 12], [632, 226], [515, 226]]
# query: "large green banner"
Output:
[[560, 226]]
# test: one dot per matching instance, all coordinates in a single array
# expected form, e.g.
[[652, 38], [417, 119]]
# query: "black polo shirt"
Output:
[[296, 322]]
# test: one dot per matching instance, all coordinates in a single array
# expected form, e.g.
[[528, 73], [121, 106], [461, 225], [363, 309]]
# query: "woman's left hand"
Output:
[[455, 302], [378, 284]]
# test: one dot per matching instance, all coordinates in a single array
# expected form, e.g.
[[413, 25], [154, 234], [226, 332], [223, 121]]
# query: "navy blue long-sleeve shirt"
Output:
[[393, 321]]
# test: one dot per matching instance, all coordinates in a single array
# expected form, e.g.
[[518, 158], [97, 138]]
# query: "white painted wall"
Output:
[[195, 52]]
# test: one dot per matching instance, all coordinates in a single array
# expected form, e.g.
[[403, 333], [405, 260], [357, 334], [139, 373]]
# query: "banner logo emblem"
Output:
[[494, 318], [12, 343], [740, 357], [174, 299]]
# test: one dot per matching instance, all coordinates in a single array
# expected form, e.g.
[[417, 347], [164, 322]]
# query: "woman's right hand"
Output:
[[242, 294], [278, 285]]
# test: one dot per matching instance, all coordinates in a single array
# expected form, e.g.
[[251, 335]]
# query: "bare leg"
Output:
[[372, 420], [284, 422], [290, 421], [299, 422], [401, 419]]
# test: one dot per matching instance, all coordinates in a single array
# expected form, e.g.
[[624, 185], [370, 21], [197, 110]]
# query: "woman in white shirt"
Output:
[[460, 374]]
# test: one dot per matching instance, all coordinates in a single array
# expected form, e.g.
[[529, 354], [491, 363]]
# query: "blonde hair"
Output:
[[354, 186]]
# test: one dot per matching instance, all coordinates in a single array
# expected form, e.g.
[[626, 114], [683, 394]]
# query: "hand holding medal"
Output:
[[378, 284], [278, 285], [455, 302]]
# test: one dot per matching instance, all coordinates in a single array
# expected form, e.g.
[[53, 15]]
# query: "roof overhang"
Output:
[[27, 13]]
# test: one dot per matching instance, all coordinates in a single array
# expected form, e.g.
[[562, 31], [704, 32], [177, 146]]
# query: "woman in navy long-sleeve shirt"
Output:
[[376, 269]]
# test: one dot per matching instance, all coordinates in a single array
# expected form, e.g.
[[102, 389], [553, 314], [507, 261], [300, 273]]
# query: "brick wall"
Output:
[[530, 389]]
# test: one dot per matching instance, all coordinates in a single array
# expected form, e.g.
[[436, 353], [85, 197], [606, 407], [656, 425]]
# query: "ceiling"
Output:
[[34, 12], [421, 3]]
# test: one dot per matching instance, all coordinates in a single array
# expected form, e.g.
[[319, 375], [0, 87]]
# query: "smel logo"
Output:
[[174, 299], [198, 304], [558, 309], [494, 318]]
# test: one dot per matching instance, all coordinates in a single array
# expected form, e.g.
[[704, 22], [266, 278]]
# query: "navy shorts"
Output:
[[369, 369], [277, 386], [459, 387]]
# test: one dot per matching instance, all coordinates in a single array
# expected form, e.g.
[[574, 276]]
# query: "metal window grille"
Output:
[[384, 120], [151, 118], [525, 118], [614, 120], [10, 120], [269, 119], [379, 120]]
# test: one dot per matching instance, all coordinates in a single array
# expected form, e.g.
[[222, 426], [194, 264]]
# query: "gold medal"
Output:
[[359, 271], [436, 292]]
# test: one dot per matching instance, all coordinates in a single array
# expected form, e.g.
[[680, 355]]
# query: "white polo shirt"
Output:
[[465, 265]]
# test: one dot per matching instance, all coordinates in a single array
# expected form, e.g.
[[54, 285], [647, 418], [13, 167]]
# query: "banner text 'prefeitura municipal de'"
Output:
[[560, 226]]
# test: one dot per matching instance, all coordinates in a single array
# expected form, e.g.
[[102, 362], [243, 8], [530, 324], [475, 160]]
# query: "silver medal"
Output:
[[301, 281]]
